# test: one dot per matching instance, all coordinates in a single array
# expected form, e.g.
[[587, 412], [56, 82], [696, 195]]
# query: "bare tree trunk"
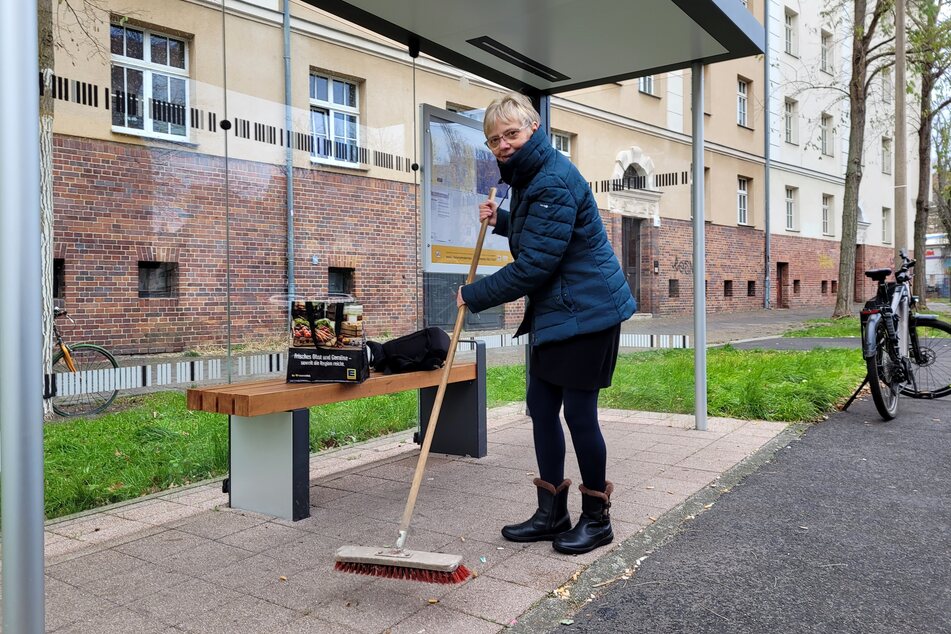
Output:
[[853, 171], [924, 187], [46, 65]]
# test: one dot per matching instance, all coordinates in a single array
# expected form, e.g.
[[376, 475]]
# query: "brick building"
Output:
[[172, 232]]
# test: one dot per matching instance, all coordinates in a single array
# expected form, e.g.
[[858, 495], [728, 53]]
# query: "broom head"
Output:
[[414, 565]]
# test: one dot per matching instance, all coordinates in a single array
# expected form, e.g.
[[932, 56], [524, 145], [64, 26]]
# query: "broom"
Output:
[[399, 562]]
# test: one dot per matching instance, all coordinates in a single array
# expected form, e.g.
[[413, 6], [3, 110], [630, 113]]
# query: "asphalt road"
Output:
[[846, 529]]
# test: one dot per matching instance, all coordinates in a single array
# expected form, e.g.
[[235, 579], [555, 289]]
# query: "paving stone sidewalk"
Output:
[[182, 561]]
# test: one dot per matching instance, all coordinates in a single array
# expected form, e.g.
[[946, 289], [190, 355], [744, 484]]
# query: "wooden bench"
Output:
[[269, 427]]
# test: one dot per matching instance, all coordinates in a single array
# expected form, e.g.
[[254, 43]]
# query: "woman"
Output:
[[577, 297]]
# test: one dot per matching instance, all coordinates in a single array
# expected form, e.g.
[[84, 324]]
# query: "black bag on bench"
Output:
[[424, 349]]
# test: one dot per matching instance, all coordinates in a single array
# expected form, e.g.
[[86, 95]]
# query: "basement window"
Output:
[[158, 279]]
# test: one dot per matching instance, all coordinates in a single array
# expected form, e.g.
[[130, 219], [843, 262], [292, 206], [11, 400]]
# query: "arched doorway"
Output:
[[633, 198]]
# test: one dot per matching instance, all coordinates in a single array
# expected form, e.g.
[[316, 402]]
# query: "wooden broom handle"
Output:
[[441, 390]]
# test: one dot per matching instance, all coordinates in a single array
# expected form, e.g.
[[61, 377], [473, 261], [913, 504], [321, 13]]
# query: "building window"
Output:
[[827, 208], [728, 288], [751, 288], [790, 120], [340, 281], [886, 225], [796, 287], [888, 85], [835, 287], [59, 278], [827, 53], [158, 279], [742, 200], [825, 287], [742, 101], [646, 85], [791, 208], [562, 142], [886, 156], [149, 83], [826, 134], [791, 45], [334, 119], [673, 288]]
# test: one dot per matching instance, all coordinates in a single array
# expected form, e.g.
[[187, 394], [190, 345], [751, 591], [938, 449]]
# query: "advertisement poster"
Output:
[[458, 171]]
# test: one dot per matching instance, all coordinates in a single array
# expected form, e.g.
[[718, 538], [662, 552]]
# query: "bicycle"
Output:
[[905, 353], [83, 383]]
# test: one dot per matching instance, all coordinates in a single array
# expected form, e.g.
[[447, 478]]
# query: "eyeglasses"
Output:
[[508, 135]]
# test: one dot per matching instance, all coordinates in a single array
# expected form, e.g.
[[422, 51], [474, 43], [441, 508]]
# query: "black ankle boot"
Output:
[[594, 526], [550, 519]]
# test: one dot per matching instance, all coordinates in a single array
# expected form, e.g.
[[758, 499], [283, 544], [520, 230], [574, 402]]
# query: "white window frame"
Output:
[[331, 111], [561, 141], [791, 208], [827, 208], [646, 85], [791, 121], [742, 200], [150, 70], [886, 155], [742, 101], [790, 32], [886, 225], [826, 134], [827, 52]]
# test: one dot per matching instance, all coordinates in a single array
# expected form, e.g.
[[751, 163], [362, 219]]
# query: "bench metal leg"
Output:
[[461, 428], [262, 478]]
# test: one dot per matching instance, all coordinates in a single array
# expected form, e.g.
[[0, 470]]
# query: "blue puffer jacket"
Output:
[[563, 261]]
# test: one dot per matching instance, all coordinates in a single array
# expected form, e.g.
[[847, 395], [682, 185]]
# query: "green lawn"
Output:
[[844, 327], [152, 443]]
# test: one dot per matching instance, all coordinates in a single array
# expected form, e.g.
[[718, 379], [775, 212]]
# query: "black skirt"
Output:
[[584, 362]]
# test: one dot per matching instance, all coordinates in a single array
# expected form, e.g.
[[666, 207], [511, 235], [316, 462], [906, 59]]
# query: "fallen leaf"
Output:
[[432, 601], [282, 578]]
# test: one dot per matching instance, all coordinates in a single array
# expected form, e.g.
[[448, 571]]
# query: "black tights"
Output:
[[581, 414]]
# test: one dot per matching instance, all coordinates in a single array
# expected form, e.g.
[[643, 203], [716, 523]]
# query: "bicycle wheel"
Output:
[[89, 390], [931, 361], [884, 387]]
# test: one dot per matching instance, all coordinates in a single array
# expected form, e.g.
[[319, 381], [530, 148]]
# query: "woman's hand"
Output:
[[459, 300], [489, 209]]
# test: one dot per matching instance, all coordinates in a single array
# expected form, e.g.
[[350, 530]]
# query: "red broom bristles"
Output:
[[460, 574]]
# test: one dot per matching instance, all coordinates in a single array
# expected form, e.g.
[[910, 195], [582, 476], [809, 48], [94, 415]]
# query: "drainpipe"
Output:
[[289, 158], [767, 265]]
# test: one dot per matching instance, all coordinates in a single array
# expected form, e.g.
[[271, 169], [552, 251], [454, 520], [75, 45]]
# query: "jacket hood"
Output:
[[522, 166]]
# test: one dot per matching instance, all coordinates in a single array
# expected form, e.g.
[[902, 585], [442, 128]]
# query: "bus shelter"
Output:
[[538, 47]]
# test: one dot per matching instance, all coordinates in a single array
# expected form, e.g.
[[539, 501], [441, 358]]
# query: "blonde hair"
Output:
[[511, 107]]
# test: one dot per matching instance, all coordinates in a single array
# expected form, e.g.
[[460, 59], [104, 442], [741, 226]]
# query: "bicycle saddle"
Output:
[[878, 275]]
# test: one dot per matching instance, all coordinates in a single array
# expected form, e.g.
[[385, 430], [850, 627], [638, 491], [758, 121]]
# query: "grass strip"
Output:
[[153, 443], [843, 327]]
